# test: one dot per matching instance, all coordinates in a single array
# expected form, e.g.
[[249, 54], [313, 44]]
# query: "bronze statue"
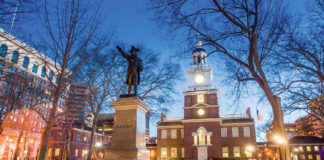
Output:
[[134, 68]]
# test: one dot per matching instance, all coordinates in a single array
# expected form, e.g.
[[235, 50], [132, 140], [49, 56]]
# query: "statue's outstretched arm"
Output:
[[122, 52]]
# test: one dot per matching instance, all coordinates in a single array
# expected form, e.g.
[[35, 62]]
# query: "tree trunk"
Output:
[[68, 143], [18, 143], [92, 137], [47, 133]]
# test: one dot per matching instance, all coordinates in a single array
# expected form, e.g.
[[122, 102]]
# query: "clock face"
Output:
[[199, 79]]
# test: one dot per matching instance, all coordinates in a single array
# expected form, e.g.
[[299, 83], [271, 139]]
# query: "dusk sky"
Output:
[[134, 25]]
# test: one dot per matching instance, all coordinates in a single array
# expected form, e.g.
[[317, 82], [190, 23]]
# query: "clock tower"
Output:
[[201, 110]]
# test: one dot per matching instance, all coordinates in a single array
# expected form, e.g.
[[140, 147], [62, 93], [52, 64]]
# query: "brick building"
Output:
[[203, 134]]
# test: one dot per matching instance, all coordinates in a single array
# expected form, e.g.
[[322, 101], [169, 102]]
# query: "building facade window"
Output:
[[225, 151], [237, 152], [164, 134], [164, 153], [302, 156], [26, 62], [200, 98], [2, 63], [182, 152], [223, 132], [57, 152], [310, 156], [208, 139], [76, 153], [35, 67], [246, 131], [201, 135], [195, 140], [182, 133], [3, 50], [318, 157], [173, 152], [235, 132], [43, 72], [173, 133], [301, 149], [316, 148], [308, 148], [50, 76], [14, 57]]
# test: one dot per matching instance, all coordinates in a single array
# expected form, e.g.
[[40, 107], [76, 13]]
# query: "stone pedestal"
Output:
[[128, 138]]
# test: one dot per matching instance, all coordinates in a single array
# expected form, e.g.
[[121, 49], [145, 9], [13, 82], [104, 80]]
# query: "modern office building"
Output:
[[202, 133]]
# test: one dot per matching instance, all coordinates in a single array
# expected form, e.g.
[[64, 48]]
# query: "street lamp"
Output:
[[281, 141]]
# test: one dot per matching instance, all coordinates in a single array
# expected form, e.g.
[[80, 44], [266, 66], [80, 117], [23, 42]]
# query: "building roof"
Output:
[[305, 140], [290, 125], [106, 116], [170, 123], [237, 120]]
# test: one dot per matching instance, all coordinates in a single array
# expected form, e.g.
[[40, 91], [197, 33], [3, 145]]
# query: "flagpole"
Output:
[[13, 18]]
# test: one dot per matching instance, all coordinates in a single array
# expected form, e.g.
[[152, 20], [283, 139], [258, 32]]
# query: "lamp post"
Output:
[[281, 141]]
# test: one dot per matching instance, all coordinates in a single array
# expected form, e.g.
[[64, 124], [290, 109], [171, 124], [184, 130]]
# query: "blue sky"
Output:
[[134, 26]]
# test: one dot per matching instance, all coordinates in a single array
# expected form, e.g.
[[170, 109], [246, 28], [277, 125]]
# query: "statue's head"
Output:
[[133, 50]]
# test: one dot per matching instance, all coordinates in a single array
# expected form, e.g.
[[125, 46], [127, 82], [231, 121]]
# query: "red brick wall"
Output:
[[213, 151]]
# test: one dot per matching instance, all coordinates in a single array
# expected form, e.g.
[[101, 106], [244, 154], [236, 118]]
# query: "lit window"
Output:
[[84, 153], [200, 98], [57, 151], [316, 148], [182, 153], [302, 156], [173, 133], [301, 148], [49, 152], [164, 153], [237, 152], [248, 153], [235, 132], [318, 157], [26, 62], [208, 139], [14, 57], [246, 131], [310, 156], [84, 138], [164, 134], [201, 134], [225, 151], [182, 133], [76, 152], [223, 132], [173, 152], [195, 140], [3, 50], [308, 148]]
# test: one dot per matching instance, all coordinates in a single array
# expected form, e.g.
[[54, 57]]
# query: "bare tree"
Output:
[[301, 58], [70, 34], [243, 32], [105, 75]]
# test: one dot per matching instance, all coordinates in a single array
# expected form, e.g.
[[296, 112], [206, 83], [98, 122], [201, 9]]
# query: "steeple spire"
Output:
[[198, 43]]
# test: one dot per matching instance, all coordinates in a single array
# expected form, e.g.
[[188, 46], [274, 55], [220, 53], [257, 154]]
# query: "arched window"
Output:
[[50, 76], [26, 62], [14, 57], [35, 67], [201, 136], [3, 50], [43, 71]]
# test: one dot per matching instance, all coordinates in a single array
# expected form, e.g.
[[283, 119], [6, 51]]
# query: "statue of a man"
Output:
[[134, 68]]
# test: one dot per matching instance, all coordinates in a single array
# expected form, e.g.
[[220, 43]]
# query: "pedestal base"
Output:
[[127, 154]]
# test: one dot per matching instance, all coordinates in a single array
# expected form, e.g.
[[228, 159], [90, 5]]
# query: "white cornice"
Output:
[[201, 105], [201, 120], [200, 92], [237, 124]]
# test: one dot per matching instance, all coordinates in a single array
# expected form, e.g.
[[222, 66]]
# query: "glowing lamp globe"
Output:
[[201, 112], [199, 79]]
